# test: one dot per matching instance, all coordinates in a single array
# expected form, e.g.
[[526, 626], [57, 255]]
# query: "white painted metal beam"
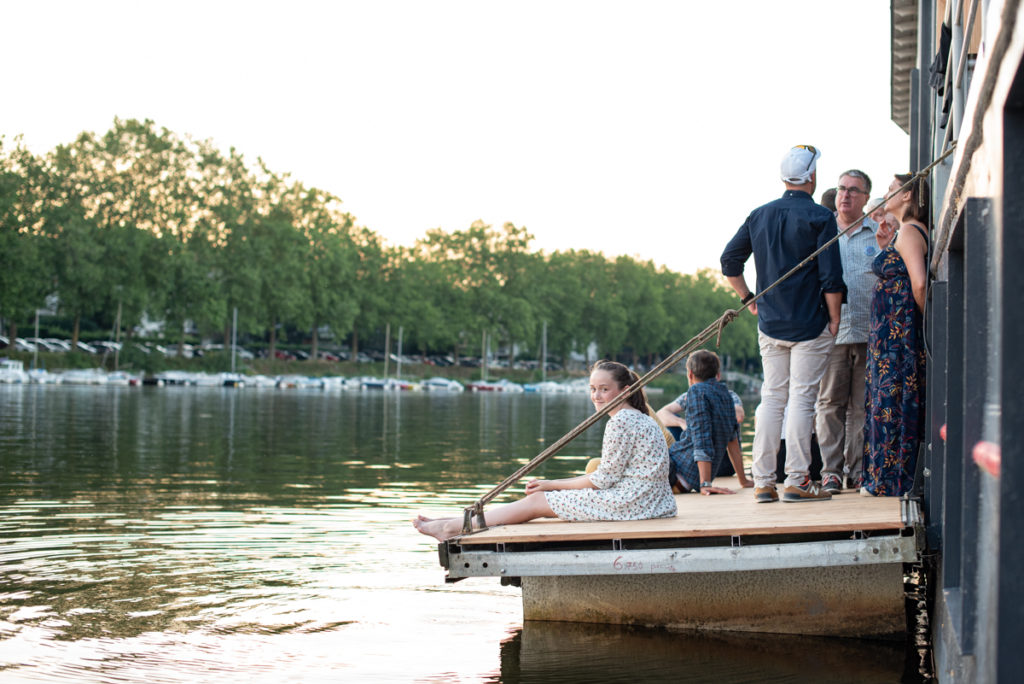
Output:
[[845, 552]]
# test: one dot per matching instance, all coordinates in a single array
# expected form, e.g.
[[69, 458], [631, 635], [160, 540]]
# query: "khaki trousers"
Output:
[[792, 373], [839, 413]]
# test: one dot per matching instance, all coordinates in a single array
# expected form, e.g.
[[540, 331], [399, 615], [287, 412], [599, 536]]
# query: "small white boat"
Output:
[[260, 381], [174, 377], [232, 380], [84, 376], [442, 385], [502, 385], [389, 384], [338, 383], [299, 382], [123, 378], [206, 379], [40, 376], [547, 387], [12, 372]]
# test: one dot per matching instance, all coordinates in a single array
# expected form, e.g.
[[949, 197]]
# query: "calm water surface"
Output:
[[190, 534]]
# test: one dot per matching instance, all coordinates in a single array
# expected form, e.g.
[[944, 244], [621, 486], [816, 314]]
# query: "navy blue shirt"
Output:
[[780, 235]]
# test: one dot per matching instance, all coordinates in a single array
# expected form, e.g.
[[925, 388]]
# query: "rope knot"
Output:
[[728, 317]]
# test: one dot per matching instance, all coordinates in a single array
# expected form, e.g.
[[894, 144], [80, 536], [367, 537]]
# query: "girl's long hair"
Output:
[[920, 199], [624, 378]]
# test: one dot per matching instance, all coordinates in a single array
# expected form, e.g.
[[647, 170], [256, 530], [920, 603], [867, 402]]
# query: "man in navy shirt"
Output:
[[797, 321]]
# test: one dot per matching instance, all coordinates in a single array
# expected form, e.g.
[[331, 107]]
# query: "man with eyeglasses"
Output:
[[797, 320], [839, 413]]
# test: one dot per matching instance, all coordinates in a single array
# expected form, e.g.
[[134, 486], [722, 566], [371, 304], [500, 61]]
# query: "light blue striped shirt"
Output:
[[857, 250]]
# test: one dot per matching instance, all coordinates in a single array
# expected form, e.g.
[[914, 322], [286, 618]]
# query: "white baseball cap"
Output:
[[874, 204], [799, 163]]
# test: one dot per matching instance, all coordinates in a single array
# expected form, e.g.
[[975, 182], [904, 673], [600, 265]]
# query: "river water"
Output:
[[192, 534]]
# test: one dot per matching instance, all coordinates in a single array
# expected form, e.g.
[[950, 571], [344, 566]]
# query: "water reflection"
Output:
[[190, 534], [569, 653]]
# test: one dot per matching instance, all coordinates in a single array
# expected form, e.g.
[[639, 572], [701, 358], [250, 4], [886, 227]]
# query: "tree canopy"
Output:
[[144, 222]]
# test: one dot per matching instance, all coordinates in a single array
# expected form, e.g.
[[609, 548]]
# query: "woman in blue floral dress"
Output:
[[896, 357]]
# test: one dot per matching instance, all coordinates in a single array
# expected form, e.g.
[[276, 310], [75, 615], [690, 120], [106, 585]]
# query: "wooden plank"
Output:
[[715, 516]]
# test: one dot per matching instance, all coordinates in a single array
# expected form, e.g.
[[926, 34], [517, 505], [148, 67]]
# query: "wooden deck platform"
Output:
[[716, 516], [830, 567]]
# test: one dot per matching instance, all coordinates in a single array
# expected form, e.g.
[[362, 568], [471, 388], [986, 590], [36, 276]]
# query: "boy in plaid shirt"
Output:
[[710, 427]]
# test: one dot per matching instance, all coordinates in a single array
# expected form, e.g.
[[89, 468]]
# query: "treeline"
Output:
[[142, 221]]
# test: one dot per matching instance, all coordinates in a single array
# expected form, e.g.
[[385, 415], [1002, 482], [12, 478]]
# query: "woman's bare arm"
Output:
[[912, 247]]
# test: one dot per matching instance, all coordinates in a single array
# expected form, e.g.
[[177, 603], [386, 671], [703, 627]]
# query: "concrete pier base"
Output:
[[852, 601]]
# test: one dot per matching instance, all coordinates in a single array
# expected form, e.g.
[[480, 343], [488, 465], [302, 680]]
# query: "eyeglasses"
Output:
[[850, 191]]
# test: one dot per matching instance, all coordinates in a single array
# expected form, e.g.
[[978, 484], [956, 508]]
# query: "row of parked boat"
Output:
[[13, 372]]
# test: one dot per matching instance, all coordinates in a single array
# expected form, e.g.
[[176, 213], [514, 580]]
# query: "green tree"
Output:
[[331, 260], [636, 292], [25, 278], [278, 249], [370, 285], [223, 251]]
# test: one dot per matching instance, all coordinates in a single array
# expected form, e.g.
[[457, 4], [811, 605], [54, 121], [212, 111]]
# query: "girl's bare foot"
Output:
[[441, 530]]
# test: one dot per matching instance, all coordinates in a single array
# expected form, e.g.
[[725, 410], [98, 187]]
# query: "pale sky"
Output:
[[641, 128]]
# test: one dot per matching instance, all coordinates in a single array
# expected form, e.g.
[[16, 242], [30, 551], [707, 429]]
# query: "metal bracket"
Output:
[[737, 540], [476, 510], [860, 534], [617, 545]]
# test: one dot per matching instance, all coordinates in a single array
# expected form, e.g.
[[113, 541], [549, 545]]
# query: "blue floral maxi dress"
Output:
[[895, 379]]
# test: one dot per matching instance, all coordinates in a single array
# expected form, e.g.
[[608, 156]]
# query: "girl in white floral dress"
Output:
[[630, 484]]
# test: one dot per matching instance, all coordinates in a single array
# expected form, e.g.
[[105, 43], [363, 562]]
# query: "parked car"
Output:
[[107, 346], [87, 348], [242, 353], [41, 344], [23, 345], [4, 342], [62, 345]]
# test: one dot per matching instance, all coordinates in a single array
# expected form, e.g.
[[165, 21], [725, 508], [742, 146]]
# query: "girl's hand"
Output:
[[886, 230], [707, 491], [537, 486]]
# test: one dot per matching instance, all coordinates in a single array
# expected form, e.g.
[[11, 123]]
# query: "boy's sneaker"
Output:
[[831, 484], [808, 491], [765, 494]]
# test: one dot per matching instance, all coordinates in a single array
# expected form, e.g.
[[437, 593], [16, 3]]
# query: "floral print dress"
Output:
[[632, 480], [895, 379]]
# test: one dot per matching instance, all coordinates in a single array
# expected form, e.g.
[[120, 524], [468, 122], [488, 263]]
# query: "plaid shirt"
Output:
[[710, 425], [858, 251], [736, 401]]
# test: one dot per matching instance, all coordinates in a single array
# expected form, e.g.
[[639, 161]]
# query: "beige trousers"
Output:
[[839, 413], [792, 373]]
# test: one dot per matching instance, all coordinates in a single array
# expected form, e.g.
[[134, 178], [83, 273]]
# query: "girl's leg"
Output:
[[529, 508], [533, 506]]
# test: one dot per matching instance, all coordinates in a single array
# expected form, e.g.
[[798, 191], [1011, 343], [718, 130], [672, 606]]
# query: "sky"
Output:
[[648, 129]]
